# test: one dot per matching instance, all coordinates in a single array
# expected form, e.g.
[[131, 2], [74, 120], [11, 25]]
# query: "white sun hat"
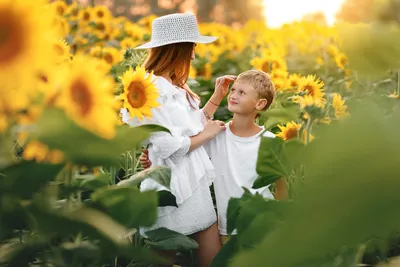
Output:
[[176, 28]]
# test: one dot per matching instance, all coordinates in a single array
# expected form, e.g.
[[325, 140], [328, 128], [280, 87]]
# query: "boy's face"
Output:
[[243, 99]]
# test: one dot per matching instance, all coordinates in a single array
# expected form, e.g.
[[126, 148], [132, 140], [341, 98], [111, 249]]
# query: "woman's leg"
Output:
[[209, 244]]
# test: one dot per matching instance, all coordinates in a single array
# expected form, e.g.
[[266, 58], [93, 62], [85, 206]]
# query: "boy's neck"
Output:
[[244, 125]]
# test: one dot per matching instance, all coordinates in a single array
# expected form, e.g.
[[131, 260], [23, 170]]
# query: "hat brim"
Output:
[[201, 39]]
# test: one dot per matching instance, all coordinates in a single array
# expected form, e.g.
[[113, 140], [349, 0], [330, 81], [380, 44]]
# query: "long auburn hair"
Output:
[[174, 60]]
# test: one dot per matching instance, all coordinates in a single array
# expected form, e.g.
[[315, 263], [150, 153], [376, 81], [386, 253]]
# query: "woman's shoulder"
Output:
[[164, 87]]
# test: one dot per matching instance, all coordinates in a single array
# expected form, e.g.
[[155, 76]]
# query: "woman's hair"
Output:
[[173, 60]]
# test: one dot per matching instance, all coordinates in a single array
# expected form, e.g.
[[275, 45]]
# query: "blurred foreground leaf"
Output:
[[351, 192], [84, 148], [24, 178], [165, 239], [127, 205]]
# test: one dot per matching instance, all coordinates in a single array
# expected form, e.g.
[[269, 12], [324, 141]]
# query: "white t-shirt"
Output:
[[235, 160]]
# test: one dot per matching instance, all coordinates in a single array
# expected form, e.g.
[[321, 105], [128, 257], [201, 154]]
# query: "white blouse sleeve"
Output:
[[167, 146]]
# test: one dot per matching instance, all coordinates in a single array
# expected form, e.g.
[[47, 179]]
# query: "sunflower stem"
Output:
[[308, 129], [398, 81]]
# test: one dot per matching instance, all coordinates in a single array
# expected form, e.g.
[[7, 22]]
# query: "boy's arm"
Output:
[[281, 190]]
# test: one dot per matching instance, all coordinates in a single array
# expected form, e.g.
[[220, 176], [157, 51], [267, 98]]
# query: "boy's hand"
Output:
[[144, 159], [222, 86]]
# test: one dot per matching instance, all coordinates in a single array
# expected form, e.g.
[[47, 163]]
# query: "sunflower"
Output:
[[294, 80], [26, 37], [38, 151], [62, 50], [309, 101], [332, 50], [87, 97], [205, 71], [60, 7], [112, 55], [85, 16], [339, 106], [101, 13], [73, 11], [290, 131], [140, 93], [102, 29], [128, 43], [62, 26], [312, 86], [341, 60]]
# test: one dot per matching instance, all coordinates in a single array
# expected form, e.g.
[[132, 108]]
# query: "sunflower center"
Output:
[[291, 133], [86, 16], [60, 10], [137, 95], [11, 36], [265, 67], [309, 89], [100, 14], [81, 96], [109, 58]]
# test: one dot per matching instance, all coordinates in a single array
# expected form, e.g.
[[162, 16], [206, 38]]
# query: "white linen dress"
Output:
[[192, 172]]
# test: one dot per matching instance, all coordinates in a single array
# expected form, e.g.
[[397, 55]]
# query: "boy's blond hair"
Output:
[[261, 82]]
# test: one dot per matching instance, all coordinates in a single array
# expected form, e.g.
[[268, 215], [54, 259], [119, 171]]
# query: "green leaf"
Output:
[[233, 211], [92, 182], [166, 198], [265, 180], [90, 222], [24, 178], [160, 174], [225, 255], [351, 193], [165, 239], [127, 205], [280, 115], [84, 148]]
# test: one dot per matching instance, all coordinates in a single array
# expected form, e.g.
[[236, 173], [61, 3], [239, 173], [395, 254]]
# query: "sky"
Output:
[[279, 12]]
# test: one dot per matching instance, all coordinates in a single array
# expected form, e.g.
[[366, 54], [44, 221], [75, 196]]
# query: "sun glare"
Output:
[[279, 12]]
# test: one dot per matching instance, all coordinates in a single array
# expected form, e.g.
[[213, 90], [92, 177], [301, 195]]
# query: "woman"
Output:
[[174, 38]]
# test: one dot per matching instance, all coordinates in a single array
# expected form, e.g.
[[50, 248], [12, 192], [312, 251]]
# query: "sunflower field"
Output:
[[69, 172]]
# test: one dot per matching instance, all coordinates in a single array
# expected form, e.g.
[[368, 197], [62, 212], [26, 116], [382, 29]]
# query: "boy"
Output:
[[234, 151]]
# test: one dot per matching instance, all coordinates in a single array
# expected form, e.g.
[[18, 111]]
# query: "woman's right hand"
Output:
[[212, 128], [144, 159]]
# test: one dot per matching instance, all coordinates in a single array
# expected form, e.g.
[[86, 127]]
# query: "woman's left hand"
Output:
[[222, 86]]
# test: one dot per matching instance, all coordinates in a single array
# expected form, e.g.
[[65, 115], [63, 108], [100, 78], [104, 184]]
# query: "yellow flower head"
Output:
[[87, 97], [38, 151], [112, 55], [341, 60], [62, 50], [140, 93], [309, 101], [339, 106], [294, 80], [26, 36], [101, 13], [290, 131], [60, 7], [312, 86]]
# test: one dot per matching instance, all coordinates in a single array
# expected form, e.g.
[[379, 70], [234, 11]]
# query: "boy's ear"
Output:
[[261, 104]]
